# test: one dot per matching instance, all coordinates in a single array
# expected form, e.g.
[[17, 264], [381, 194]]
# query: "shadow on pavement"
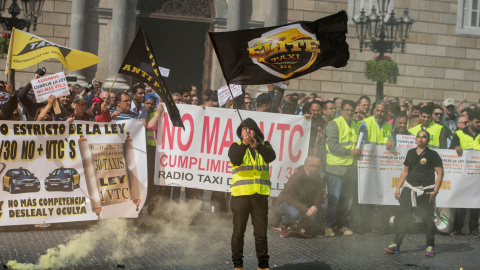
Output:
[[315, 265]]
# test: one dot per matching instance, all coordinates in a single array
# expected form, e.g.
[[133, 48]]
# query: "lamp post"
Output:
[[380, 35], [31, 9]]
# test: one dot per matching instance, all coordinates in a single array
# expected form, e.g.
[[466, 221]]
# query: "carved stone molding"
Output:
[[184, 8]]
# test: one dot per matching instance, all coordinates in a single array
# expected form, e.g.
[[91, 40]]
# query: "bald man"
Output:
[[302, 196]]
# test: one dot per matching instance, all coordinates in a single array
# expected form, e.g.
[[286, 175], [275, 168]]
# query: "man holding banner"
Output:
[[342, 136], [467, 139], [418, 176]]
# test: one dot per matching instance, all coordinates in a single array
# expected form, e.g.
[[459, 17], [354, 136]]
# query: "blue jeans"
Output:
[[290, 214], [340, 197]]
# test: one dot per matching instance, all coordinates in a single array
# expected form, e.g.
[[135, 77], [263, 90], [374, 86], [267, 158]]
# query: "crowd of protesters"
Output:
[[330, 202]]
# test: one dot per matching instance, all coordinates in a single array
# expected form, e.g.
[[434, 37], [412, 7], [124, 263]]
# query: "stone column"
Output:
[[234, 15], [272, 13], [118, 40], [77, 34]]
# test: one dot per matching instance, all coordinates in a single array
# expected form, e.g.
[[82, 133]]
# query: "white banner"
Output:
[[197, 157], [52, 173], [379, 172], [54, 84], [408, 141], [224, 94]]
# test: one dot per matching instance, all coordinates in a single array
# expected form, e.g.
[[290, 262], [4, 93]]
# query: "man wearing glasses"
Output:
[[462, 122], [420, 190], [467, 139], [124, 103], [248, 104], [437, 132]]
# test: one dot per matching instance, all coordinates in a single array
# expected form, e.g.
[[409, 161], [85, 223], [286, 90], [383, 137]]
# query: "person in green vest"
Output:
[[250, 187], [437, 132], [342, 136], [376, 130], [467, 139], [151, 128]]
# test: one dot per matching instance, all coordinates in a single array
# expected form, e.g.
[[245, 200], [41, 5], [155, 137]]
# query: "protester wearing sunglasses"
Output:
[[420, 190]]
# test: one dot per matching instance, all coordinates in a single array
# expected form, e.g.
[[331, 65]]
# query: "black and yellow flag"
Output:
[[27, 50], [275, 54], [140, 62]]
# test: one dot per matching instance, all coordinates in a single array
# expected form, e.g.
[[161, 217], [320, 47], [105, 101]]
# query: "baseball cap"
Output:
[[152, 97], [97, 99], [263, 99], [79, 98], [448, 102]]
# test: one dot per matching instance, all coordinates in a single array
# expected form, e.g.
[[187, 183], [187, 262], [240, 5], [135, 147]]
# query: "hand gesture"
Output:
[[389, 144], [71, 119], [159, 109], [51, 100], [459, 151], [9, 88]]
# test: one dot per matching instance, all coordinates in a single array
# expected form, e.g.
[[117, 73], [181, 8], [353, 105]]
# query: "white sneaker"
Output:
[[329, 232], [346, 231]]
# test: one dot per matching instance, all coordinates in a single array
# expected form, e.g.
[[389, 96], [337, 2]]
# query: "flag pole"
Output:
[[9, 56], [111, 87]]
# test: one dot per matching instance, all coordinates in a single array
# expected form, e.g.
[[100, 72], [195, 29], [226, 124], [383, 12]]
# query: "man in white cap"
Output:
[[450, 116]]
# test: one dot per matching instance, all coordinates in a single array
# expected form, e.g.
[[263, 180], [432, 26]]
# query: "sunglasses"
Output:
[[423, 136], [248, 103]]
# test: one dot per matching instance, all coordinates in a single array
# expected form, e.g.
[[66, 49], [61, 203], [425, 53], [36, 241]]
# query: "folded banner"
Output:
[[274, 54], [87, 170], [140, 62], [197, 157], [379, 171], [28, 49]]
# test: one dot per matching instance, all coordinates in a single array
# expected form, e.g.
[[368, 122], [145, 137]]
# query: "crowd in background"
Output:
[[92, 103]]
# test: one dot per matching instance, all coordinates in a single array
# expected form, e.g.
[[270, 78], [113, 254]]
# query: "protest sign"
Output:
[[379, 172], [54, 84], [407, 141], [58, 172], [197, 157], [164, 71], [224, 94]]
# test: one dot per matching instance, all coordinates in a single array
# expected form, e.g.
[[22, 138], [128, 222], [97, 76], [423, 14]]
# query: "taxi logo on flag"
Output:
[[284, 51]]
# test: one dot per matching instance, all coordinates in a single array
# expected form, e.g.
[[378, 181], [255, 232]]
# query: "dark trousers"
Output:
[[151, 189], [220, 201], [402, 220], [167, 191], [460, 217], [242, 207]]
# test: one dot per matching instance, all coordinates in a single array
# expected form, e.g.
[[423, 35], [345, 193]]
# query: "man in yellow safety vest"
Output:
[[250, 189]]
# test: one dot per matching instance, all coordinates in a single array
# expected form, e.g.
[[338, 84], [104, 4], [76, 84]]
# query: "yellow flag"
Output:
[[28, 50]]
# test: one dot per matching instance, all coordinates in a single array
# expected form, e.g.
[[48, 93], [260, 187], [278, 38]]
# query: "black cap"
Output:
[[263, 99], [79, 98], [249, 122]]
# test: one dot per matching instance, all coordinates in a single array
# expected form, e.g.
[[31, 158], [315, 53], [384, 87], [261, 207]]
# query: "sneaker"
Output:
[[455, 232], [346, 231], [329, 232], [392, 248], [283, 231], [430, 251]]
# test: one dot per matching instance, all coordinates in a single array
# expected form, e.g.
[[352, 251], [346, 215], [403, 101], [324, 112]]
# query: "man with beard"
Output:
[[364, 105], [400, 128], [66, 102], [436, 131], [342, 136], [467, 139], [138, 98], [376, 130]]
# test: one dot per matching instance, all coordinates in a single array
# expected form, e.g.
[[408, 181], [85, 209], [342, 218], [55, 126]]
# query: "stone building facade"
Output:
[[441, 59]]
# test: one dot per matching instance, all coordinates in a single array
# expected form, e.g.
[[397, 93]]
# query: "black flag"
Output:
[[140, 62], [275, 54]]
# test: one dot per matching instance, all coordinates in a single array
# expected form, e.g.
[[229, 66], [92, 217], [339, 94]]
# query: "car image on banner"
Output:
[[64, 179], [19, 181]]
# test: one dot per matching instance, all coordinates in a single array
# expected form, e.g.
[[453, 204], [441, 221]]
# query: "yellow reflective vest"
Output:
[[434, 129], [375, 135], [347, 138], [467, 142], [150, 133], [252, 176]]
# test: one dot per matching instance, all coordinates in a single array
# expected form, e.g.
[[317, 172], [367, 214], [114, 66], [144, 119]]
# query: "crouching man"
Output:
[[301, 198]]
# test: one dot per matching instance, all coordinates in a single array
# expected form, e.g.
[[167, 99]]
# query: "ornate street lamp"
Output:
[[380, 34], [31, 9]]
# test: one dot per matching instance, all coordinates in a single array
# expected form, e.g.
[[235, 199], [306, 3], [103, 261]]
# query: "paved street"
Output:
[[172, 241]]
